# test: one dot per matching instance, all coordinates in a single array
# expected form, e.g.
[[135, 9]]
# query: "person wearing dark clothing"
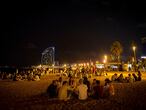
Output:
[[97, 90], [120, 78], [135, 77], [52, 89], [139, 76]]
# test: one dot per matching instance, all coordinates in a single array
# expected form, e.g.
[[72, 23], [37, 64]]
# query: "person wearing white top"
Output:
[[82, 90], [63, 90]]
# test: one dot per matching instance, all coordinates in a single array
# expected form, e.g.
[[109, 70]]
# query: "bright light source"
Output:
[[143, 57], [134, 48], [64, 65], [105, 57], [104, 61], [75, 64], [132, 59], [92, 63], [97, 61]]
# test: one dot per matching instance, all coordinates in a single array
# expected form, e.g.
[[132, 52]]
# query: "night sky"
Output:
[[79, 29]]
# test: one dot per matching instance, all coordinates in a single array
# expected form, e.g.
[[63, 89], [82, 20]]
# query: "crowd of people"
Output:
[[25, 74], [82, 89], [130, 78], [34, 74]]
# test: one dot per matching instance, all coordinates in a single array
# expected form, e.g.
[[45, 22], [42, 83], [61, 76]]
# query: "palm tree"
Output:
[[116, 51]]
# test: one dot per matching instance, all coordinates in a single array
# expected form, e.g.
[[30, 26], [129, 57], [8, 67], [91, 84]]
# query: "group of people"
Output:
[[129, 79], [21, 75], [82, 89]]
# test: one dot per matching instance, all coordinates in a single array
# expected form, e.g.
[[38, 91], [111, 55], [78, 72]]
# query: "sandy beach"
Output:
[[30, 95]]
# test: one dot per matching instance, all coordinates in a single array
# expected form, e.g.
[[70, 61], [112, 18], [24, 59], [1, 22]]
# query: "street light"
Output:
[[105, 57], [134, 49], [105, 61]]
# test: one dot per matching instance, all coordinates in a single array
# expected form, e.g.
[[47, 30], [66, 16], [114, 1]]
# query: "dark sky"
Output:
[[79, 29]]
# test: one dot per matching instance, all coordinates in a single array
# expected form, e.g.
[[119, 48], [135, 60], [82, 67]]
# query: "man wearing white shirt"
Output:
[[82, 90]]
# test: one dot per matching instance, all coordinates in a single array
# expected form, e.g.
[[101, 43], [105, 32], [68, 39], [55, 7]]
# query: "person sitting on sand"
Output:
[[63, 91], [120, 78], [135, 77], [36, 78], [93, 84], [52, 89], [73, 85], [81, 90], [59, 83], [30, 77], [17, 77], [139, 76], [114, 77], [130, 78], [108, 89], [96, 91]]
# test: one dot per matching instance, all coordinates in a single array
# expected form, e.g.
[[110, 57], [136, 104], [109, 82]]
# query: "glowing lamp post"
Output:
[[134, 51], [105, 57], [105, 61], [64, 65]]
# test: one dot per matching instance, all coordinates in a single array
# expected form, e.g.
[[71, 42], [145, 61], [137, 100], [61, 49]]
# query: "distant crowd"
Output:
[[26, 75], [130, 78]]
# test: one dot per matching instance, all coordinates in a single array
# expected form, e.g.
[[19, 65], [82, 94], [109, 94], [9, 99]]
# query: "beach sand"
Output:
[[30, 95]]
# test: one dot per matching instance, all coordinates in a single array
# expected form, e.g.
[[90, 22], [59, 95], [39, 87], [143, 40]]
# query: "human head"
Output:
[[129, 74], [107, 80], [98, 82], [85, 78], [64, 82], [60, 79], [54, 82], [94, 80], [81, 81]]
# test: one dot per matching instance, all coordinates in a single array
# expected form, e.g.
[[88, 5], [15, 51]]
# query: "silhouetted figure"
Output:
[[97, 90], [120, 78], [130, 78], [135, 77], [108, 89], [139, 76], [52, 89], [114, 77]]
